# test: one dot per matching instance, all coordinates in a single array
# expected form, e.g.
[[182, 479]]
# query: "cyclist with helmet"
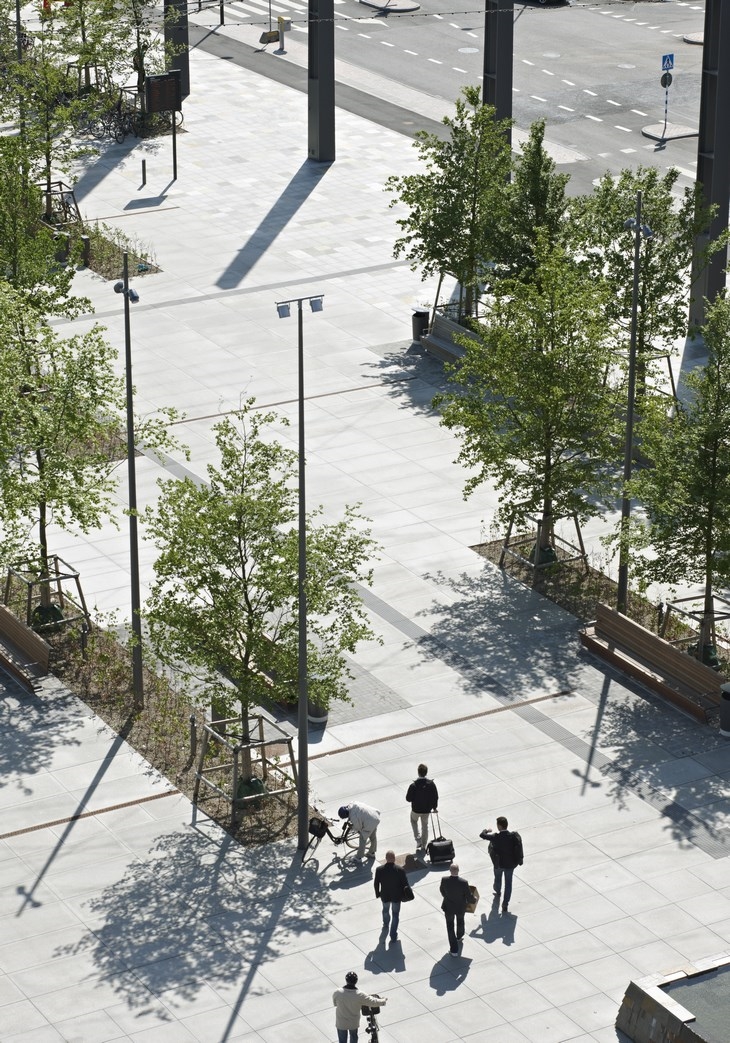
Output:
[[347, 1001]]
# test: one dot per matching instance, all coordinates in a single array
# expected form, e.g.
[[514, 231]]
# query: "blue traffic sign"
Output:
[[667, 62]]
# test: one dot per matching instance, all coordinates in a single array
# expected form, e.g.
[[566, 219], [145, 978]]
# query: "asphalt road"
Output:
[[592, 71]]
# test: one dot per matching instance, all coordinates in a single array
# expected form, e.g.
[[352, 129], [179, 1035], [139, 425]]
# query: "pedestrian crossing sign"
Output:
[[667, 62]]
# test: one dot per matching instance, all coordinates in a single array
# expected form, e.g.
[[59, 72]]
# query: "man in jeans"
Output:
[[505, 850], [456, 895], [390, 883], [423, 797]]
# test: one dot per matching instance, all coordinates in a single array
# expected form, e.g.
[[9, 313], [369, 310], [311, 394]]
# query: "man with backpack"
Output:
[[505, 850], [423, 797]]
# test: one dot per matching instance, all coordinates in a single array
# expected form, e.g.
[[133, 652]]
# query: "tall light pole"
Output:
[[131, 296], [284, 310], [640, 231]]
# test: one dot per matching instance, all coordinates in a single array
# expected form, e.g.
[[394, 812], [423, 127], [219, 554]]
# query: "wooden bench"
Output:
[[648, 658], [439, 341], [22, 652]]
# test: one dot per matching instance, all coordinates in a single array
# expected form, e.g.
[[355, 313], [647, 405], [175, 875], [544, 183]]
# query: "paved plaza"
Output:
[[127, 917]]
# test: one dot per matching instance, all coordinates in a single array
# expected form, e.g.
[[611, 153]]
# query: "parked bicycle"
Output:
[[372, 1028], [319, 827]]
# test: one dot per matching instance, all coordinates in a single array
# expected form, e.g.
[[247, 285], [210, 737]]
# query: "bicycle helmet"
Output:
[[344, 811], [351, 978]]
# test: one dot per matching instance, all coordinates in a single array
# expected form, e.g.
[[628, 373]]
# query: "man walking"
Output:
[[390, 884], [364, 820], [423, 797], [505, 850], [348, 1001], [455, 893]]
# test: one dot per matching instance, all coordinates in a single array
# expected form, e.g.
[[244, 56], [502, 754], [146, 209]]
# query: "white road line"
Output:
[[628, 150], [616, 103], [594, 118], [566, 108], [435, 61], [569, 82], [536, 97], [548, 73], [414, 53], [592, 93], [386, 43], [365, 36], [638, 112], [618, 127], [454, 68], [454, 25], [526, 62]]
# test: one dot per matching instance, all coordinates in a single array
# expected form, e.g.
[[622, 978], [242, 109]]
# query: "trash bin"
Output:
[[420, 322], [725, 710]]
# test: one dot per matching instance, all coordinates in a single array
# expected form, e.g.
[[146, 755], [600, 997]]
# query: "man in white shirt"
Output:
[[348, 1001], [363, 819]]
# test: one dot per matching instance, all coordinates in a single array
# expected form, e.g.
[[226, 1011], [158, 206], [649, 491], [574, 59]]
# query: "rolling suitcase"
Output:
[[440, 849]]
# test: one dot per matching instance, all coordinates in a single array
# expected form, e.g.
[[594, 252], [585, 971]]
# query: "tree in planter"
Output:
[[685, 493], [457, 204], [666, 257], [60, 400], [530, 402], [537, 204], [223, 607]]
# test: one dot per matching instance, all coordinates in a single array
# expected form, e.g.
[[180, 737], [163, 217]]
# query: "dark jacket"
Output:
[[456, 894], [505, 848], [423, 796], [390, 880]]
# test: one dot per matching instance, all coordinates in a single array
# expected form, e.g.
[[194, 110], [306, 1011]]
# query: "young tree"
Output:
[[530, 403], [457, 204], [60, 399], [666, 257], [536, 204], [685, 493], [224, 601]]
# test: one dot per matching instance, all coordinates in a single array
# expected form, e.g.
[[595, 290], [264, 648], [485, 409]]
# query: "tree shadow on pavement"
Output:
[[199, 910], [501, 637]]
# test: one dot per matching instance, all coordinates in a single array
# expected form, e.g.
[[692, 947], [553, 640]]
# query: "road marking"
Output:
[[618, 127], [594, 118], [548, 73], [455, 68], [435, 61], [628, 150], [536, 97], [638, 112], [414, 53], [567, 109], [454, 25], [616, 103], [569, 82], [386, 43], [592, 93], [526, 62], [365, 36]]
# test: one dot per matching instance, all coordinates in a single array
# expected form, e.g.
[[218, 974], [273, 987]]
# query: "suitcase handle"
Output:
[[437, 829]]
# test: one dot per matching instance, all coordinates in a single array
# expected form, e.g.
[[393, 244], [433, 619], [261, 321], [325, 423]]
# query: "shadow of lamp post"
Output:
[[131, 296], [640, 231], [284, 310]]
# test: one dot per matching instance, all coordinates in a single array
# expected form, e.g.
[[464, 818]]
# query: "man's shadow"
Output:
[[495, 926], [385, 960]]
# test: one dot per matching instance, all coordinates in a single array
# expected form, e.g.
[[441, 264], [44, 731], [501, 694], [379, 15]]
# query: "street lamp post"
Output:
[[640, 231], [131, 296], [284, 310]]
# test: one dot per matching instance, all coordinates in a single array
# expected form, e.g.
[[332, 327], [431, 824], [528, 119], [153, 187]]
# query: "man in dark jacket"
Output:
[[456, 894], [423, 797], [390, 883], [505, 850]]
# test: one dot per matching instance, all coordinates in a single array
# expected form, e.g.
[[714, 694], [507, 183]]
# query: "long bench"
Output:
[[23, 653], [439, 341], [648, 658]]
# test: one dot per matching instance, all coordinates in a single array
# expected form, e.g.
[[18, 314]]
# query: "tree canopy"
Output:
[[224, 601]]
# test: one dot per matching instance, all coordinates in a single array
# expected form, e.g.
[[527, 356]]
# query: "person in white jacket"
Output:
[[364, 820], [348, 1002]]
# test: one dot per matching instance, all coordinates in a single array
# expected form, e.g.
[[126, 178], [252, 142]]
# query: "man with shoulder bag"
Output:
[[392, 888]]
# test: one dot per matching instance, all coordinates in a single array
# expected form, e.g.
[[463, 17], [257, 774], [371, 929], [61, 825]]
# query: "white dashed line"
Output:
[[455, 69], [638, 112], [435, 61], [548, 73], [536, 97], [414, 53], [569, 82], [594, 118], [365, 36], [627, 129], [628, 150], [454, 25], [616, 103], [386, 43], [592, 93], [526, 62], [566, 108]]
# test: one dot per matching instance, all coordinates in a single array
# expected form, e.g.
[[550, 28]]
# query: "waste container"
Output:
[[420, 322], [725, 710]]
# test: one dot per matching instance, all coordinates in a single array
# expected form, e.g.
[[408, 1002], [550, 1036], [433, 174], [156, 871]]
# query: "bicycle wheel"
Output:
[[311, 848], [352, 839]]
